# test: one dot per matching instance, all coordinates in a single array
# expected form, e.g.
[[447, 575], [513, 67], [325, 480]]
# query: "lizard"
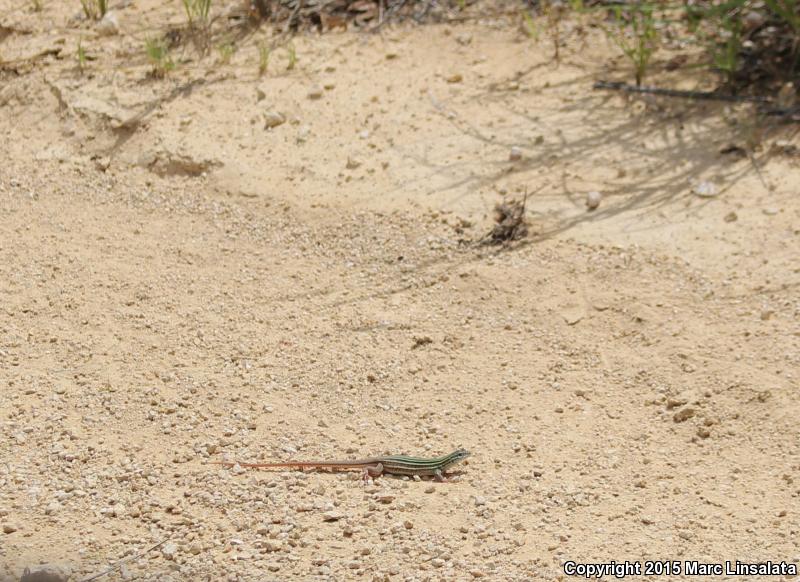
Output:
[[373, 466]]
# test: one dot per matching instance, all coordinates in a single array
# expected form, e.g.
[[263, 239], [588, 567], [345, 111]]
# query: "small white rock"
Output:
[[705, 189], [302, 136], [593, 199], [515, 154], [108, 25], [169, 550], [752, 20]]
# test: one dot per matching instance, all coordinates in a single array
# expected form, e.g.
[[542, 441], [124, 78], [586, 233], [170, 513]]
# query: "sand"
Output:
[[180, 283]]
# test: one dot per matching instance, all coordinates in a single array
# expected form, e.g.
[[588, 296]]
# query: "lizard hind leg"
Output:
[[373, 471]]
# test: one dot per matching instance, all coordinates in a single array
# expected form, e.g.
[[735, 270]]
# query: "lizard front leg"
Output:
[[373, 471]]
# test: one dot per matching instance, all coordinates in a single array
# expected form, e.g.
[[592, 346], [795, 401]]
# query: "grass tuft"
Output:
[[159, 58], [81, 56], [635, 33], [94, 9], [292, 56], [263, 58], [197, 12], [226, 52]]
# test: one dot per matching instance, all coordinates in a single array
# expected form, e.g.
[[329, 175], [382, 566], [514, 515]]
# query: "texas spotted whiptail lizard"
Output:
[[374, 466]]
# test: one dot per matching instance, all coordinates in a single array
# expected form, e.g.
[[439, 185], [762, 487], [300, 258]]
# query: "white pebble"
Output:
[[169, 550], [109, 25], [593, 199], [705, 189]]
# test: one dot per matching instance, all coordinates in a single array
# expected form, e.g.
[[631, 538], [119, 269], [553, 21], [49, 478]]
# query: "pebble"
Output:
[[705, 189], [9, 528], [169, 550], [455, 78], [753, 19], [771, 211], [302, 136], [332, 516], [108, 25], [731, 217], [46, 573], [593, 199], [678, 400], [464, 39], [273, 119], [113, 511], [480, 501], [683, 414], [315, 92], [352, 163], [515, 154], [273, 546]]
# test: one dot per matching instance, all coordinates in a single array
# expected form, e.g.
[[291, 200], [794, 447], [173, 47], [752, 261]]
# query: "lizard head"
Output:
[[458, 455]]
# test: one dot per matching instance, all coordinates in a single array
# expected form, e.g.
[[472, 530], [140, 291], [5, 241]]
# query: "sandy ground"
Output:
[[180, 284]]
